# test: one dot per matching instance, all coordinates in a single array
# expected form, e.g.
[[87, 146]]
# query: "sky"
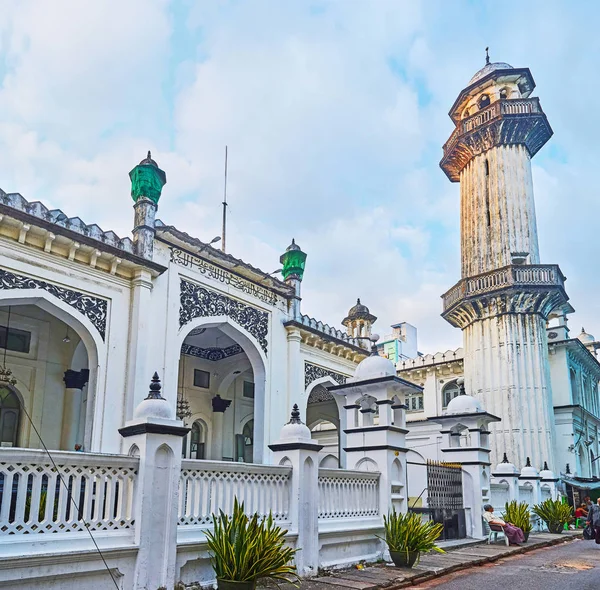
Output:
[[334, 114]]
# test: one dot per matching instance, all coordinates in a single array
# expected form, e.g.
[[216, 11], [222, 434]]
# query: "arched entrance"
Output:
[[323, 420], [222, 379], [53, 362]]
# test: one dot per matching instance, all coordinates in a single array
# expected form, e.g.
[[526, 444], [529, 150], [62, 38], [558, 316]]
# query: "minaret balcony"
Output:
[[534, 288], [508, 121]]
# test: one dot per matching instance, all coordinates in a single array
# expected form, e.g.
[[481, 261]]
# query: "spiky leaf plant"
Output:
[[554, 513], [245, 549], [408, 533], [518, 514]]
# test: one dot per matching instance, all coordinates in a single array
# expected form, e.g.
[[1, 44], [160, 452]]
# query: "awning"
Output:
[[585, 485]]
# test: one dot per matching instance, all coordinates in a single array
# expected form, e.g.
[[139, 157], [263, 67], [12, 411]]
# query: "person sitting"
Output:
[[513, 533], [582, 511], [593, 520]]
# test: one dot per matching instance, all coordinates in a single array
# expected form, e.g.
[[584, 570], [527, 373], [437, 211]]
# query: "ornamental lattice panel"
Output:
[[37, 498], [206, 491], [348, 494]]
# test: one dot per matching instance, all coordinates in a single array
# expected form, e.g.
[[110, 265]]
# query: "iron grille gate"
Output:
[[445, 498]]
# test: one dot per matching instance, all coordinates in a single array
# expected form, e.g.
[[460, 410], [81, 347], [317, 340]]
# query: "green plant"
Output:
[[407, 533], [518, 514], [554, 513], [41, 507], [245, 549]]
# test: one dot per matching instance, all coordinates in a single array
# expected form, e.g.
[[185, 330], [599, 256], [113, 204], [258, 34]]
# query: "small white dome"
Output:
[[529, 471], [488, 69], [506, 468], [154, 408], [295, 430], [463, 404], [547, 474], [374, 366], [585, 338]]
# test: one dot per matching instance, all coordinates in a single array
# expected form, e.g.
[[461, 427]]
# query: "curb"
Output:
[[427, 576]]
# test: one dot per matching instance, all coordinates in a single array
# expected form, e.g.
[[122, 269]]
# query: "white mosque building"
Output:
[[87, 317]]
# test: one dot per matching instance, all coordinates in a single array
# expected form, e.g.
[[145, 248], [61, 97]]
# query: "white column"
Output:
[[74, 383], [219, 406]]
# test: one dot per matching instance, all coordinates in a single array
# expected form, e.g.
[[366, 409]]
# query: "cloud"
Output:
[[334, 113]]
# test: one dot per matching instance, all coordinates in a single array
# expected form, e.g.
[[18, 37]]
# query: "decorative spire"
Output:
[[582, 330], [461, 386], [147, 180], [487, 55], [374, 338], [568, 470], [505, 459], [155, 388], [295, 419], [528, 464], [546, 466]]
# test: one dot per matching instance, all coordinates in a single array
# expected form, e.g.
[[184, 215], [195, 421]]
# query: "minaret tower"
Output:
[[505, 296]]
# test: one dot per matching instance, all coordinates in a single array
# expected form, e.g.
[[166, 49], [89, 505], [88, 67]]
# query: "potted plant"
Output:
[[518, 514], [407, 536], [245, 549], [555, 514]]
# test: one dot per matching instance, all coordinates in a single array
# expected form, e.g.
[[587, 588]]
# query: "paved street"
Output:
[[572, 565]]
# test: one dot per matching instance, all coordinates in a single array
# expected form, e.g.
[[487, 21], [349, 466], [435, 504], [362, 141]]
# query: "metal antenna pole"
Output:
[[224, 232]]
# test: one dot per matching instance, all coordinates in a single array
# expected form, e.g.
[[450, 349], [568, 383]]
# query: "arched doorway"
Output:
[[10, 417], [323, 420], [53, 361], [221, 378]]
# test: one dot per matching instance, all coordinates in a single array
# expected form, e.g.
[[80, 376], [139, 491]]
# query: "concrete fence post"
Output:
[[155, 436], [296, 449]]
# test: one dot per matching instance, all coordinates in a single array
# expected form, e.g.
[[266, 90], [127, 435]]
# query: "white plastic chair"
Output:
[[492, 533]]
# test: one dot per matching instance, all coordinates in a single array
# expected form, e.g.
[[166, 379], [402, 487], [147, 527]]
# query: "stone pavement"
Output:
[[458, 556]]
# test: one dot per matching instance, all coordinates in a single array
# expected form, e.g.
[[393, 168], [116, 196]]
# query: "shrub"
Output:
[[518, 514], [245, 549], [554, 513], [408, 533]]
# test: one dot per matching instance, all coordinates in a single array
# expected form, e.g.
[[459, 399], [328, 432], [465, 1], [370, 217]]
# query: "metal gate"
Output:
[[445, 498]]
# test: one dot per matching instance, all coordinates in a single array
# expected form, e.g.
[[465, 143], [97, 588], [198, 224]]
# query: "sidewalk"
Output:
[[460, 555]]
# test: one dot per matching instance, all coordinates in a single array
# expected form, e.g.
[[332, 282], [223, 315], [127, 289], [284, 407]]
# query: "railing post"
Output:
[[296, 449], [155, 436]]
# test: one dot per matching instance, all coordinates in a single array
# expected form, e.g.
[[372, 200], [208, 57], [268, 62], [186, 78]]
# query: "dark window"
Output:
[[503, 93], [249, 389], [201, 378], [484, 101], [17, 340]]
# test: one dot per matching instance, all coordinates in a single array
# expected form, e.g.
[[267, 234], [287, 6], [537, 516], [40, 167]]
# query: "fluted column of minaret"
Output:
[[497, 210], [506, 368]]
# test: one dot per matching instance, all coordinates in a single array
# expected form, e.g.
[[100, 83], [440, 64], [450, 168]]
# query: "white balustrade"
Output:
[[206, 487], [348, 494], [84, 490]]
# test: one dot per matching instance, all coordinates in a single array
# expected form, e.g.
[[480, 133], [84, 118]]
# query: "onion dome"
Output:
[[585, 338], [529, 471], [359, 312], [545, 473], [505, 468], [155, 405], [295, 430], [463, 404], [148, 161], [488, 68], [374, 367]]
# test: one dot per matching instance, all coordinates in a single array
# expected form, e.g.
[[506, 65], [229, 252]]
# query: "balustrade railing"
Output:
[[348, 494], [514, 275], [507, 106], [84, 491], [209, 486]]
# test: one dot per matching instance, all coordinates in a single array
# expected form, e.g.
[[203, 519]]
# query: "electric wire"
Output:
[[60, 477]]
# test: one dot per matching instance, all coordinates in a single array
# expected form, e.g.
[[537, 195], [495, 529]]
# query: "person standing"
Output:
[[593, 520]]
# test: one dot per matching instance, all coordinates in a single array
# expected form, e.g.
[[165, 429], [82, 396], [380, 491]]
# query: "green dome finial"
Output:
[[147, 180], [294, 261]]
